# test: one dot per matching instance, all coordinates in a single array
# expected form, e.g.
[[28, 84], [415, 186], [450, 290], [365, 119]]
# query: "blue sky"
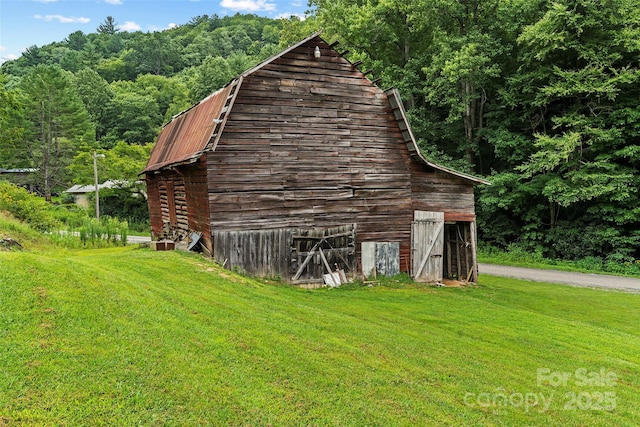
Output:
[[25, 23]]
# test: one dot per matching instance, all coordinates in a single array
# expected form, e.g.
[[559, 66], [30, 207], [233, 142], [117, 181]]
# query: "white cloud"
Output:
[[247, 5], [129, 26], [288, 15], [113, 1], [63, 19], [154, 28], [9, 57]]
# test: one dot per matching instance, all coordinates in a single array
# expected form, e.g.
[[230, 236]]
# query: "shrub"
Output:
[[27, 207], [104, 232]]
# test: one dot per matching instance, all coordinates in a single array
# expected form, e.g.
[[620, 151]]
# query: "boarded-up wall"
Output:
[[261, 252], [287, 252]]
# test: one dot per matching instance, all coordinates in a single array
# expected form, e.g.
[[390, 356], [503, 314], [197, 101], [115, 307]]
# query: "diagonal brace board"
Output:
[[311, 253], [429, 249]]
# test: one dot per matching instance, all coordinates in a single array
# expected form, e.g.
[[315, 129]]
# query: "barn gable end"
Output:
[[304, 141]]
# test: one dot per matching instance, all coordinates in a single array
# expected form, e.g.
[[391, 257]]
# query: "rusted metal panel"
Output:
[[380, 259], [187, 135]]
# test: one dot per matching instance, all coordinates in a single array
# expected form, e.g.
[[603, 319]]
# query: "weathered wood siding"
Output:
[[282, 252], [311, 143], [153, 201], [179, 198], [167, 202], [264, 253], [436, 191], [197, 199]]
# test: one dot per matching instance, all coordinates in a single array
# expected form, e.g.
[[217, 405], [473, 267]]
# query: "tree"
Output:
[[11, 130], [465, 65], [76, 40], [109, 26], [155, 53], [116, 68], [575, 106], [33, 56], [96, 95], [57, 123], [134, 118], [90, 55], [170, 93], [213, 74], [121, 163]]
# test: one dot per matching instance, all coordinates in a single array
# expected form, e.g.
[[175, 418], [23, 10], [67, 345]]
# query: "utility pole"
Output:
[[95, 180]]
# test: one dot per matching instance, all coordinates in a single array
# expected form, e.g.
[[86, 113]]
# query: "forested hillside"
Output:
[[541, 97]]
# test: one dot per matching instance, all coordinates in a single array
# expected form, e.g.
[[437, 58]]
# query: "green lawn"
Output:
[[133, 337]]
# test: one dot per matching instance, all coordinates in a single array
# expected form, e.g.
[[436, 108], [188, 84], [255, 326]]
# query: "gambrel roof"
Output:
[[197, 130]]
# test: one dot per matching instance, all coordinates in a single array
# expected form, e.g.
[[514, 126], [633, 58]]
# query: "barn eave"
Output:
[[405, 128]]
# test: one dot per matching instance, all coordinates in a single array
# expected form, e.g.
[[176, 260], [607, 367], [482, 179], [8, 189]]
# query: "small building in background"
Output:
[[302, 166], [81, 193], [24, 177]]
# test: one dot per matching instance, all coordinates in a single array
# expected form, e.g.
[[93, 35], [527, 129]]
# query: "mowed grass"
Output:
[[134, 337]]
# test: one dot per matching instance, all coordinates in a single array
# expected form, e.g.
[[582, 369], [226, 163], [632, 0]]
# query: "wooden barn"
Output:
[[303, 165]]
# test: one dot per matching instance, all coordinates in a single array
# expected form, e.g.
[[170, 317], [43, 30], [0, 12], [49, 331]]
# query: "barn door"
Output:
[[427, 245]]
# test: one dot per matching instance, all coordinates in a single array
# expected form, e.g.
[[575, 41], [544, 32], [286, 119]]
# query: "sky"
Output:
[[24, 23]]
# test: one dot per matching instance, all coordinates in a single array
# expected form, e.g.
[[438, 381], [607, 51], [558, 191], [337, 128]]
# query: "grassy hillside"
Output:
[[132, 337]]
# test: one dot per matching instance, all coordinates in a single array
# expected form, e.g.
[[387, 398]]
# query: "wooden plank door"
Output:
[[427, 246]]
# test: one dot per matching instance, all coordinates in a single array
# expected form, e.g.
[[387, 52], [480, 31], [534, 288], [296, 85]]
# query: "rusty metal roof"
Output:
[[185, 137]]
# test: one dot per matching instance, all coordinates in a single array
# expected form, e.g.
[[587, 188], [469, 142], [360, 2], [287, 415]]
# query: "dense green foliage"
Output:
[[63, 226], [111, 88], [541, 97], [153, 338], [26, 207]]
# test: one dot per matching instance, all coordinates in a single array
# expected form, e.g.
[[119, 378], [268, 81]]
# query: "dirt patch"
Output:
[[40, 291], [454, 283]]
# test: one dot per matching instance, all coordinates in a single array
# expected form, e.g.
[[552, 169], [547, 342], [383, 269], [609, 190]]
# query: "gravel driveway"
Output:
[[563, 277]]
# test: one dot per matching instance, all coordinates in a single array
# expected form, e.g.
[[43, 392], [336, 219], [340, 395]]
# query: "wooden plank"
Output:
[[474, 255], [171, 206], [429, 249], [324, 260]]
